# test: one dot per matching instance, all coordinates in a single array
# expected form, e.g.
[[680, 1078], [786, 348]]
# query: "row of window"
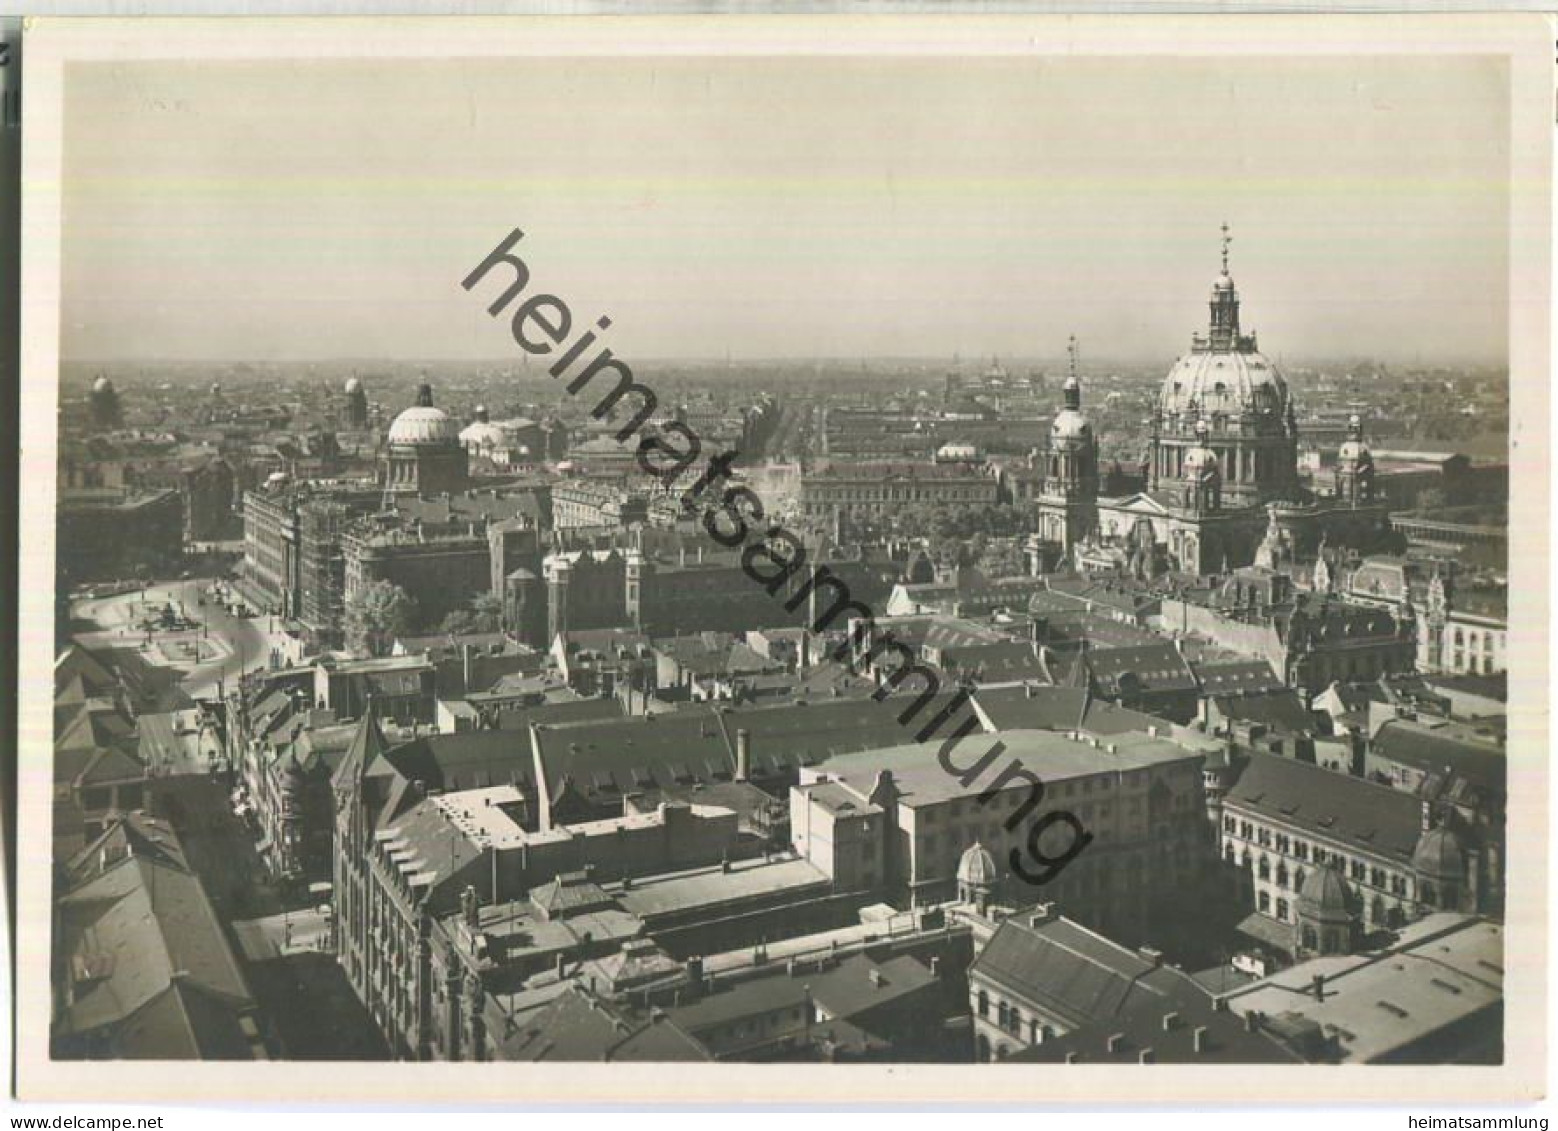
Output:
[[1361, 871]]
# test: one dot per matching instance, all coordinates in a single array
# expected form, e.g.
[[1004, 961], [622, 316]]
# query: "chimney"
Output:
[[1151, 954], [935, 967], [465, 657], [1112, 1045], [562, 964], [1027, 690], [1198, 1039], [878, 979], [743, 755], [1319, 987]]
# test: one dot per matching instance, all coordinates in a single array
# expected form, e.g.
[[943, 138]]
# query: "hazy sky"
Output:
[[771, 207]]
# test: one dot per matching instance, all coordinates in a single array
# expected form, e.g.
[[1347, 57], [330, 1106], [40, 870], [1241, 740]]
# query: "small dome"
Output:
[[1200, 461], [1438, 855], [1223, 282], [976, 869], [1070, 424], [1325, 894], [1355, 450], [102, 385], [482, 434], [353, 385]]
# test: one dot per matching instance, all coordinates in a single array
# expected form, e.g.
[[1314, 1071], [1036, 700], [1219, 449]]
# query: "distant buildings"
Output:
[[879, 488], [105, 534]]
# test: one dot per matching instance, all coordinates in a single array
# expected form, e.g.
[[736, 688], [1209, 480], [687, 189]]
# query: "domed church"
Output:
[[422, 450], [1221, 469]]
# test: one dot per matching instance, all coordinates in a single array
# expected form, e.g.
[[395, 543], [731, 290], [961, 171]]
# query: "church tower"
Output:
[[1355, 467], [1068, 496]]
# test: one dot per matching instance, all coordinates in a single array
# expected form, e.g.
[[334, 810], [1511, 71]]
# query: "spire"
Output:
[[1072, 387], [367, 744], [424, 395], [1224, 333]]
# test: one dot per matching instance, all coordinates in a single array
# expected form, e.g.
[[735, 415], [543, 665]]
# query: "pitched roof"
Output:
[[145, 950], [1342, 808], [579, 1026], [1064, 968]]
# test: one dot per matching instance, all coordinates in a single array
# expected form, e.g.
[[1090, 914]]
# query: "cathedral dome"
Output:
[[1233, 383], [353, 385], [976, 869], [102, 385], [422, 425]]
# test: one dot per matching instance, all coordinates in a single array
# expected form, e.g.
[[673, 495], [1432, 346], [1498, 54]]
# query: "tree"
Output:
[[486, 613], [483, 614], [375, 616]]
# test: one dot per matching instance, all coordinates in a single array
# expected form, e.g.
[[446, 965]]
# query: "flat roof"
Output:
[[1051, 755], [707, 887]]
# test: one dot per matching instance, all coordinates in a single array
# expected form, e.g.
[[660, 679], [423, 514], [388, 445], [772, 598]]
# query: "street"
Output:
[[228, 646]]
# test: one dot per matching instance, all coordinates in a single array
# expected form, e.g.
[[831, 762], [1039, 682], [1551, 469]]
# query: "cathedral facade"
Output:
[[1221, 483]]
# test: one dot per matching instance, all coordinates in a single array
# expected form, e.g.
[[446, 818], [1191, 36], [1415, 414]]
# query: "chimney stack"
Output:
[[743, 755], [1319, 986]]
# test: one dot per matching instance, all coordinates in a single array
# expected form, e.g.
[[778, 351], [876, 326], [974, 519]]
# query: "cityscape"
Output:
[[1077, 705]]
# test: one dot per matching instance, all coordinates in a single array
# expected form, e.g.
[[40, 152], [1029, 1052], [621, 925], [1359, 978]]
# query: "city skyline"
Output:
[[974, 218]]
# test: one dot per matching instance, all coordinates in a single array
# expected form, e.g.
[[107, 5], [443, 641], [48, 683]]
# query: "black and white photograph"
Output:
[[668, 550]]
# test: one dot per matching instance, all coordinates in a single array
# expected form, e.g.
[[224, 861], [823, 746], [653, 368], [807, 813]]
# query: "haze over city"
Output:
[[884, 208]]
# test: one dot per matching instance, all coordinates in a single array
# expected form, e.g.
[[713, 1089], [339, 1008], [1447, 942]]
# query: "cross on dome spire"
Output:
[[1227, 239]]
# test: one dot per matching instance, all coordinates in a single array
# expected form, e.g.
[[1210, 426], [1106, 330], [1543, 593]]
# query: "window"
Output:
[[1264, 870], [1282, 910], [1263, 901], [984, 1004]]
